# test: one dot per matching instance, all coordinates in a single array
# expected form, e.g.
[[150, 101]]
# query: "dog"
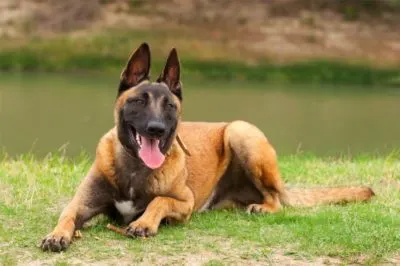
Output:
[[152, 167]]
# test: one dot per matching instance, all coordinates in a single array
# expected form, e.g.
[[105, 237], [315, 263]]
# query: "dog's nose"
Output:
[[156, 129]]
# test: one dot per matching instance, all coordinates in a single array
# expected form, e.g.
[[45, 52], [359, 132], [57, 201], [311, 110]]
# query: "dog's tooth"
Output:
[[138, 139]]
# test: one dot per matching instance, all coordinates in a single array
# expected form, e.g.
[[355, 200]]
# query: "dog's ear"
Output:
[[137, 69], [171, 74]]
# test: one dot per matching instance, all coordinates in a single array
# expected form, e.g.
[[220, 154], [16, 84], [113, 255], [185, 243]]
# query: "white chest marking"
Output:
[[126, 209]]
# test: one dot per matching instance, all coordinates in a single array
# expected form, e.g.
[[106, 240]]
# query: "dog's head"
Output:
[[147, 113]]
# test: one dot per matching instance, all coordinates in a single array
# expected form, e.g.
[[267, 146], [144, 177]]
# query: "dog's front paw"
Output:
[[55, 242], [141, 229]]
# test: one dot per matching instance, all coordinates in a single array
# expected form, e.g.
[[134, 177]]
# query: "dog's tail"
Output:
[[315, 196]]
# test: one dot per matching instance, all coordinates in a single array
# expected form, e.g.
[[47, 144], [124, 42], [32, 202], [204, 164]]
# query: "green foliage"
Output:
[[350, 13], [319, 72], [108, 53]]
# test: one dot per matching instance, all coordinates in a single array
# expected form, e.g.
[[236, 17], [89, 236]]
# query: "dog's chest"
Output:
[[127, 209], [131, 200], [130, 206]]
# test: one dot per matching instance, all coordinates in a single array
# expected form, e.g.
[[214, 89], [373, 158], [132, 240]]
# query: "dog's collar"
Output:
[[182, 145]]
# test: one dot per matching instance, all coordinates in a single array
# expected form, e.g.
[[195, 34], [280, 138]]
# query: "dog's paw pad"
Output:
[[54, 243]]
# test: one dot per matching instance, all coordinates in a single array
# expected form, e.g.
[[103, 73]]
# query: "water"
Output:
[[42, 112]]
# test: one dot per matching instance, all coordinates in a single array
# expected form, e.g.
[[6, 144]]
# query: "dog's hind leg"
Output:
[[258, 159]]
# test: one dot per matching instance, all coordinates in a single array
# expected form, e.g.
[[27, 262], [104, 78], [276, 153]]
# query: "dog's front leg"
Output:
[[177, 207], [90, 199]]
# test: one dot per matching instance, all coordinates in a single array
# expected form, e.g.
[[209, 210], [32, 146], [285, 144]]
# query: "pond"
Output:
[[46, 112]]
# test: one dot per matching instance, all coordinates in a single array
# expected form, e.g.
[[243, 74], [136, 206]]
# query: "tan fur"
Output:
[[309, 197], [105, 155], [209, 157]]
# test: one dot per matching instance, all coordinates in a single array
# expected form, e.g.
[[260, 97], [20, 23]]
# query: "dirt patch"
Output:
[[70, 15], [203, 258], [192, 259], [395, 260], [215, 250]]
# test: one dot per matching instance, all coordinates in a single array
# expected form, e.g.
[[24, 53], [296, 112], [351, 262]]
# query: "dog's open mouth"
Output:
[[149, 149]]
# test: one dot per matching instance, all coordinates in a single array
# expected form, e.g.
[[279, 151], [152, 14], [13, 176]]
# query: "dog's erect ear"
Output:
[[137, 69], [171, 74]]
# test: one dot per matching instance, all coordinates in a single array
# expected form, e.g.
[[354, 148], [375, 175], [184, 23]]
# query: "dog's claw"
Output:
[[139, 231], [54, 244]]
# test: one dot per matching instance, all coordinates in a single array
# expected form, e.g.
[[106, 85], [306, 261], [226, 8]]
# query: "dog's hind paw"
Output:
[[260, 208]]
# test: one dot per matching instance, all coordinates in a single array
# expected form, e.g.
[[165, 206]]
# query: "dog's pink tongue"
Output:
[[150, 153]]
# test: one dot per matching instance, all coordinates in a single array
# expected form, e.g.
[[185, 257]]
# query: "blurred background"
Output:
[[317, 76]]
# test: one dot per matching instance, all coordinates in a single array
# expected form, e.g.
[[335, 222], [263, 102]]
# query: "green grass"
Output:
[[34, 191], [108, 52]]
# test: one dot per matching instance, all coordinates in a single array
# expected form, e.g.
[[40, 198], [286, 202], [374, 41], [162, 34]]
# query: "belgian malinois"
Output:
[[143, 173]]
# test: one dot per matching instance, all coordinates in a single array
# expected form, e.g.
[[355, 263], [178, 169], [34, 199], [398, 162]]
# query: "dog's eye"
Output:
[[170, 105], [138, 101]]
